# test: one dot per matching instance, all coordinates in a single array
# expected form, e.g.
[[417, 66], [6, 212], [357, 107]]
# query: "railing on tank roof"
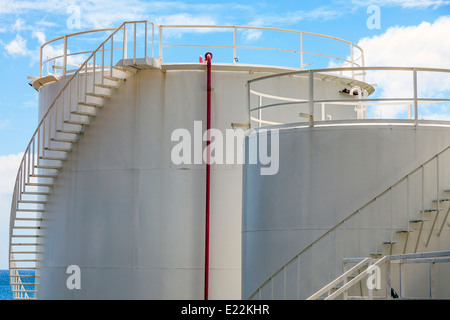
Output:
[[153, 37], [421, 85]]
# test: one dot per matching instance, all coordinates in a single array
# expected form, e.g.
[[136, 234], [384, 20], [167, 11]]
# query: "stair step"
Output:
[[430, 210], [107, 86], [90, 104], [34, 193], [39, 184], [47, 176], [114, 78], [30, 210], [26, 227], [84, 113], [390, 242], [70, 131], [376, 254], [44, 166], [417, 220], [77, 122], [403, 231], [32, 201], [25, 236], [441, 200], [53, 158], [98, 95], [58, 149], [64, 140]]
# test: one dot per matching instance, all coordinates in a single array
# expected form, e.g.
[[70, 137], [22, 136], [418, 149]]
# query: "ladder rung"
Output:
[[390, 242], [23, 283], [28, 219], [24, 291], [25, 244]]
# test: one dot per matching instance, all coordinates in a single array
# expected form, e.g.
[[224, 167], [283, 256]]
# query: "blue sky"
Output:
[[411, 33]]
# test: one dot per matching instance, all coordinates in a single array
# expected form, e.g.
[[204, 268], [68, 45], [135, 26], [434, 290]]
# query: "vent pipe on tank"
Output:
[[208, 57]]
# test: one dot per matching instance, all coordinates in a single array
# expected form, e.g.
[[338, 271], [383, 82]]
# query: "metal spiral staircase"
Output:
[[79, 101]]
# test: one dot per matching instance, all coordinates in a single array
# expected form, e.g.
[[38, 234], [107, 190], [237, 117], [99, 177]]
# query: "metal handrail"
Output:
[[350, 59], [354, 214], [386, 261], [414, 101]]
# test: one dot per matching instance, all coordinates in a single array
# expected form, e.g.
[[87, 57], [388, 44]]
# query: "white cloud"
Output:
[[403, 3], [17, 47], [40, 36], [424, 45]]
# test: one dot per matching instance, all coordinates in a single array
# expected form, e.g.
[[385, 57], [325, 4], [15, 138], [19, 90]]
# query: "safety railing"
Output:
[[238, 43], [367, 267], [404, 95], [413, 203]]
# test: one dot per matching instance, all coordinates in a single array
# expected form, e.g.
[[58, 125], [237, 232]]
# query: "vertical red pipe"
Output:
[[208, 57]]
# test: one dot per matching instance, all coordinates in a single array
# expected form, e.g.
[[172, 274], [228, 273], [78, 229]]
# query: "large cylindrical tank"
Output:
[[131, 219], [325, 175]]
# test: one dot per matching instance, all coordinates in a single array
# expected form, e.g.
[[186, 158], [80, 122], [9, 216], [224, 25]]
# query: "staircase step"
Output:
[[403, 231], [98, 95], [70, 131], [64, 140], [44, 166], [430, 210], [35, 193], [390, 242], [30, 210], [58, 149], [47, 176], [417, 220], [107, 86], [26, 227], [32, 201], [90, 104], [114, 78], [84, 113], [53, 158], [77, 122], [441, 200]]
